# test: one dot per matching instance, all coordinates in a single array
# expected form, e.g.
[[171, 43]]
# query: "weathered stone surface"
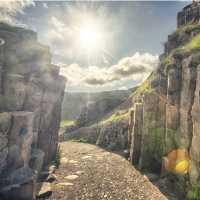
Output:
[[3, 158], [173, 87], [36, 161], [87, 134], [31, 93], [114, 136], [187, 94], [14, 93], [137, 132], [5, 124], [49, 126], [195, 150], [189, 14], [130, 127], [44, 190], [21, 184], [20, 139], [153, 132], [96, 110]]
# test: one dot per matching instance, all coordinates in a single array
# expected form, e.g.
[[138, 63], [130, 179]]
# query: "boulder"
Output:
[[44, 190]]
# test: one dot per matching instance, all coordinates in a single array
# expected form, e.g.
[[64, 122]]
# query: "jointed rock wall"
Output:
[[169, 117], [31, 93]]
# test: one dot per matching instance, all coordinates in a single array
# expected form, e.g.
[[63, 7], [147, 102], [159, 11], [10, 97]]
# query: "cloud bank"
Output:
[[10, 8], [136, 68]]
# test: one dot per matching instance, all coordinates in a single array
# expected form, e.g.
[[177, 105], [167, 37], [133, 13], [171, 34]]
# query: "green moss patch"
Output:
[[120, 115], [145, 86], [66, 123], [194, 192], [189, 28], [194, 44], [191, 47]]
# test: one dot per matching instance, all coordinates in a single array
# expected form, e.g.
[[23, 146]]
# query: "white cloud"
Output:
[[45, 5], [136, 68], [10, 8], [63, 34]]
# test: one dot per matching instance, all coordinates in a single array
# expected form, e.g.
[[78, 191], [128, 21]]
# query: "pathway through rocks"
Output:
[[91, 173]]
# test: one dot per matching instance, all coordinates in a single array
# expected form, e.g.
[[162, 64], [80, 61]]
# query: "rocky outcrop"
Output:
[[189, 14], [113, 136], [74, 102], [31, 93], [169, 117], [95, 111]]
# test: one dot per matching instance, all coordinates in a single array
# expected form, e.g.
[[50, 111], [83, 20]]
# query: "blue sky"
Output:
[[128, 38]]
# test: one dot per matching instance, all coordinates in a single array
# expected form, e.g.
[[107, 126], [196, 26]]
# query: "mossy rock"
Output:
[[170, 140], [194, 192]]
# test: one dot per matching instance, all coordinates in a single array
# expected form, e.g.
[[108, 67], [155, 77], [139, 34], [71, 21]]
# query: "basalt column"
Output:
[[136, 136]]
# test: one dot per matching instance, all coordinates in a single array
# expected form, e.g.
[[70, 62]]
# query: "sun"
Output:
[[90, 37]]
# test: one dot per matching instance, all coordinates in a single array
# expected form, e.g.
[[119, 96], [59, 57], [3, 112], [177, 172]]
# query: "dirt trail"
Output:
[[91, 173]]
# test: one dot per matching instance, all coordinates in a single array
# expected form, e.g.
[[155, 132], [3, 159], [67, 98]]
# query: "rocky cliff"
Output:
[[74, 102], [167, 115], [31, 93]]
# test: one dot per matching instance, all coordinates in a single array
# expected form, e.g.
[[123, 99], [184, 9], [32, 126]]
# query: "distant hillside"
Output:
[[73, 103]]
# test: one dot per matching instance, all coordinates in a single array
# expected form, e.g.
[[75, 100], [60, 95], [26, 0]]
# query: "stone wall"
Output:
[[31, 93], [171, 110]]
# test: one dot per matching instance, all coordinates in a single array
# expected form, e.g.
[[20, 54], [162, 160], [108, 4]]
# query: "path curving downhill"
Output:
[[91, 173]]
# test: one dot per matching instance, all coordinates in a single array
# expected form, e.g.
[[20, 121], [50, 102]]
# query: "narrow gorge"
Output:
[[159, 131], [140, 143]]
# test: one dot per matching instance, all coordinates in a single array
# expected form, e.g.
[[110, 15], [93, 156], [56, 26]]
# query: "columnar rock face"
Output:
[[147, 137], [171, 107], [114, 136], [31, 93], [94, 111], [190, 13], [195, 150], [137, 132]]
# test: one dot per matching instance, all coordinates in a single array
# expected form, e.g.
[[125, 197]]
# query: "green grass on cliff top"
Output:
[[192, 46], [188, 28], [66, 123], [120, 115], [145, 86]]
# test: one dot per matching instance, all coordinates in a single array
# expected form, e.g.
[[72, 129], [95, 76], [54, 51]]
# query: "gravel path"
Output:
[[91, 173]]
